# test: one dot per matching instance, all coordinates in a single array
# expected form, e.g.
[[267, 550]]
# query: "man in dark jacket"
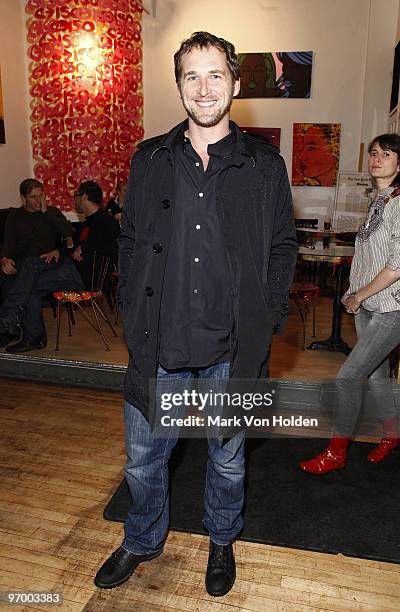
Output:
[[31, 266], [97, 235], [207, 252]]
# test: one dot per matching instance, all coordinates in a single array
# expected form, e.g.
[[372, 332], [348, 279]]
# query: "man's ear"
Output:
[[236, 88], [23, 199], [179, 91]]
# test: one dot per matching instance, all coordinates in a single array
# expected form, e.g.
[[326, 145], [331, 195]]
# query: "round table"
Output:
[[340, 256]]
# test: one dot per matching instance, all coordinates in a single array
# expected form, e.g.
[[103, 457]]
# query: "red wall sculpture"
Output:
[[85, 79]]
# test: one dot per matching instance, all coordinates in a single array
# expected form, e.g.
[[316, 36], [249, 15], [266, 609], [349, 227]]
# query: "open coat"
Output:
[[255, 211]]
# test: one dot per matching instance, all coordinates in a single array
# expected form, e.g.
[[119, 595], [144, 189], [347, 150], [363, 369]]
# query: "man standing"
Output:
[[207, 252], [32, 266]]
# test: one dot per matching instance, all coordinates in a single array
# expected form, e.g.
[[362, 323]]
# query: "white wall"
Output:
[[15, 155], [379, 70], [348, 47], [353, 43]]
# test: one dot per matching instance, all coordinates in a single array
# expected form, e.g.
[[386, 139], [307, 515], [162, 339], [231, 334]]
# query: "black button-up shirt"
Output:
[[195, 322]]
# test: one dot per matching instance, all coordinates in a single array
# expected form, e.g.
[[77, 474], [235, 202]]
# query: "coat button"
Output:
[[157, 247], [165, 203], [146, 333], [149, 291]]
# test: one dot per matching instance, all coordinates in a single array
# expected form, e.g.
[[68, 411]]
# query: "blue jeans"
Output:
[[147, 475], [377, 335], [35, 278]]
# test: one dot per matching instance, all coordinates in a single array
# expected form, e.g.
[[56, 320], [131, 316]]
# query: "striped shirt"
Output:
[[378, 246]]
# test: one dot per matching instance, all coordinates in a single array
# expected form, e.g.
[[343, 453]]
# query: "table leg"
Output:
[[335, 342]]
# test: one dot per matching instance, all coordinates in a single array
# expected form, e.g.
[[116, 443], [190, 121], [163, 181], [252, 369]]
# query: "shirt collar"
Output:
[[240, 148], [224, 148]]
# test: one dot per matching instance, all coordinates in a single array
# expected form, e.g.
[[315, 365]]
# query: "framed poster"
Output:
[[316, 151], [351, 200], [275, 74]]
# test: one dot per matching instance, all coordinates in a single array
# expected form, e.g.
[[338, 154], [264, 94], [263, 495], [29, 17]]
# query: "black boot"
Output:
[[221, 570], [119, 567], [7, 338]]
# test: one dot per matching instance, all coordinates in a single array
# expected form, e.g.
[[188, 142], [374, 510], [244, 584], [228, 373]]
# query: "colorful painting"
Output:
[[316, 151], [280, 74], [2, 131], [271, 135]]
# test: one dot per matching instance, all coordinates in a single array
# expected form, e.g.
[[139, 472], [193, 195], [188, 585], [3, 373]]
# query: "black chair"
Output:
[[100, 271]]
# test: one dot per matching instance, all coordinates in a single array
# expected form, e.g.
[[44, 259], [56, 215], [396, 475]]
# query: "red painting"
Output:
[[316, 151]]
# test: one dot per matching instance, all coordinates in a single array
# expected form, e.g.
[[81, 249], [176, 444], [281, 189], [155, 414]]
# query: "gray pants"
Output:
[[377, 335]]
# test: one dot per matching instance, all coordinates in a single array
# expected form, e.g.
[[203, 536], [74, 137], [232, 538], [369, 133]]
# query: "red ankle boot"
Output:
[[389, 441], [332, 458]]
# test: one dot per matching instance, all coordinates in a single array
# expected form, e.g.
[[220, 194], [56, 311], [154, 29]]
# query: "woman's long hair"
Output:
[[388, 142]]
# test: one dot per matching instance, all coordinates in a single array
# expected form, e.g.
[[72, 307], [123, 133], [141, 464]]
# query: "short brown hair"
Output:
[[388, 142], [29, 185], [204, 40]]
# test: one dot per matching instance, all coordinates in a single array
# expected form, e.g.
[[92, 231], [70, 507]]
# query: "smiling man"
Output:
[[207, 252]]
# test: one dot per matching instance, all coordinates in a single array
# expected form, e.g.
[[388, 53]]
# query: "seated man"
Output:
[[32, 266], [98, 233]]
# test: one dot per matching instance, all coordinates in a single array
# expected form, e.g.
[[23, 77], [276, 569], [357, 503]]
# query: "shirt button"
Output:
[[197, 163], [201, 194], [198, 226], [195, 291], [196, 259]]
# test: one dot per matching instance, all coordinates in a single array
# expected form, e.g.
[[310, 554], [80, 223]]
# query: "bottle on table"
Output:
[[326, 237]]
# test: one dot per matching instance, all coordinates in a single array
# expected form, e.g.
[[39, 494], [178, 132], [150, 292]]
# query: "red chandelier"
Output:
[[85, 79]]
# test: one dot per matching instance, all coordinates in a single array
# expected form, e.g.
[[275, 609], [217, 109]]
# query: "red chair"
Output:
[[302, 295]]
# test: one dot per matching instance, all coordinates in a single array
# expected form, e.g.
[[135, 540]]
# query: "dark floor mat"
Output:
[[354, 511]]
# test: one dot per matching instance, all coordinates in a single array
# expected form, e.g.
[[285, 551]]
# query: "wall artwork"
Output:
[[271, 135], [394, 96], [281, 74], [2, 130], [316, 151], [85, 79]]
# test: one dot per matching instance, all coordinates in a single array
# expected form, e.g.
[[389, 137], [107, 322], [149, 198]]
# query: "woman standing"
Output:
[[374, 298]]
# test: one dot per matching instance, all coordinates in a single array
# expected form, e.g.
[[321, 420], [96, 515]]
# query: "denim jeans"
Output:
[[35, 278], [377, 335], [147, 475]]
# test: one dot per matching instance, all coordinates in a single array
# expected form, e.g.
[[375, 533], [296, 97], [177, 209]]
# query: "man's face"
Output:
[[206, 86], [33, 200], [78, 195]]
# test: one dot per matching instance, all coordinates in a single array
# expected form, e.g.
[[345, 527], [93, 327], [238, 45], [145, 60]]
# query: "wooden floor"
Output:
[[287, 360], [61, 458]]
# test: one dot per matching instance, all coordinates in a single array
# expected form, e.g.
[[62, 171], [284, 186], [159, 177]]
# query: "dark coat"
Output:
[[255, 208]]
